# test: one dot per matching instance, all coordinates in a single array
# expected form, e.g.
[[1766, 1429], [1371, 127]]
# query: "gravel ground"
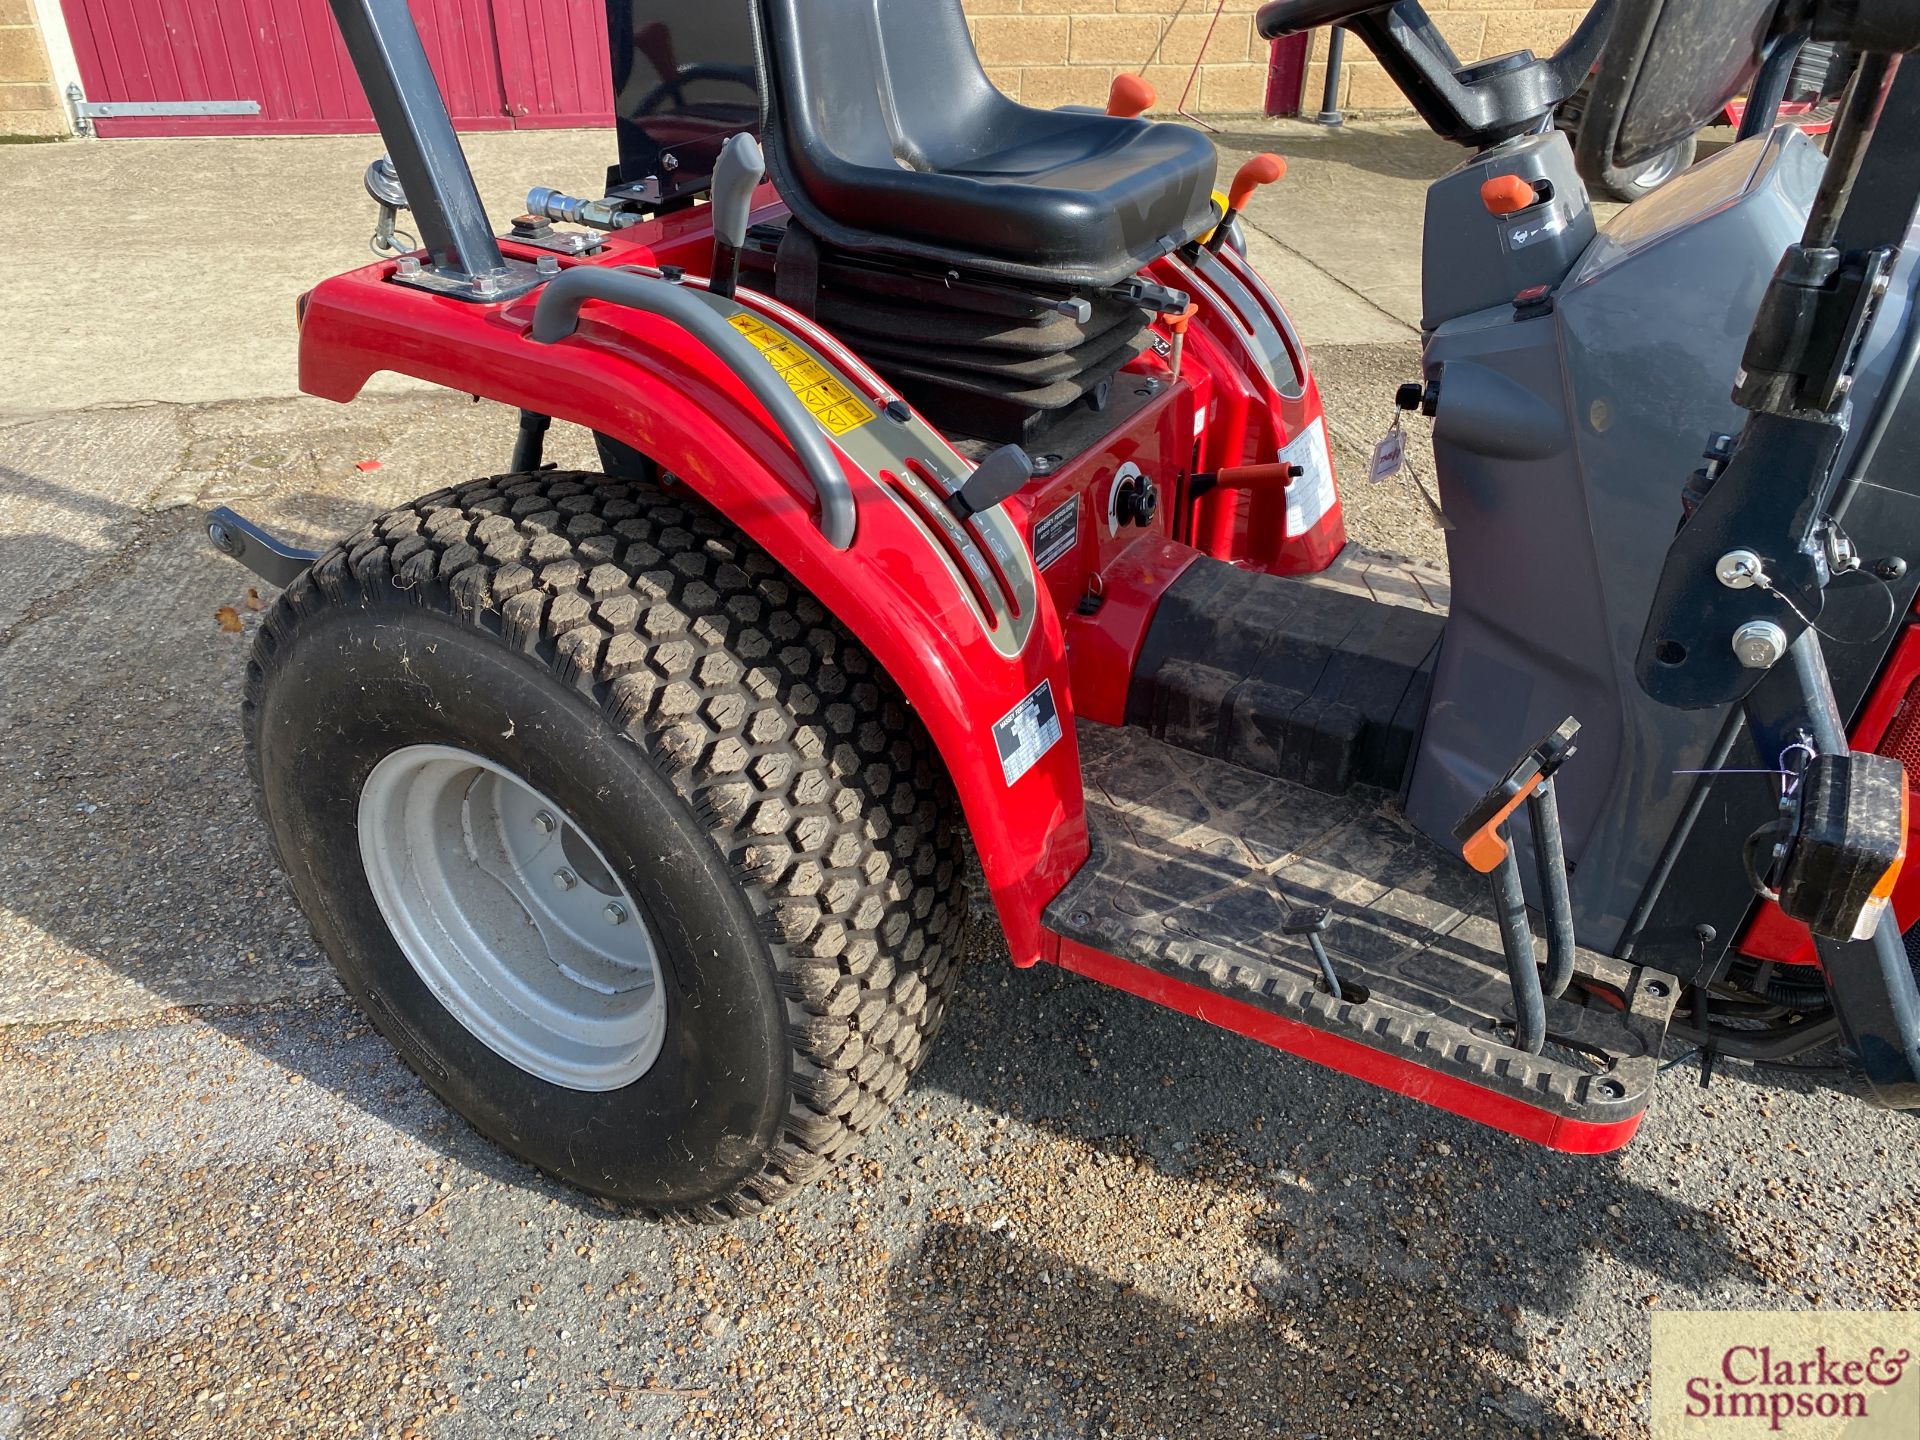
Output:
[[230, 1210]]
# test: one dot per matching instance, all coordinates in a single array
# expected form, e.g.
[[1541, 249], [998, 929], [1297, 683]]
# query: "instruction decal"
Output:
[[1027, 732], [836, 407], [1055, 532], [1311, 494]]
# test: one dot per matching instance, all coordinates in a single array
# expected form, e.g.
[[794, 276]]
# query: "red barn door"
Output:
[[500, 63]]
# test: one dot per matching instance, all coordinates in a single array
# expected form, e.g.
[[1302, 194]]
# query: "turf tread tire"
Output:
[[772, 724]]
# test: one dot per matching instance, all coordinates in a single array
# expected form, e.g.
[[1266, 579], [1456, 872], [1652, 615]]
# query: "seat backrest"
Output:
[[876, 83]]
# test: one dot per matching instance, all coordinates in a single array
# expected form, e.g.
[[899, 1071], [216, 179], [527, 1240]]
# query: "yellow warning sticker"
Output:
[[836, 407]]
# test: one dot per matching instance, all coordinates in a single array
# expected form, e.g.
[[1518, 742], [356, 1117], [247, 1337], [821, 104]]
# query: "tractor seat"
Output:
[[884, 134]]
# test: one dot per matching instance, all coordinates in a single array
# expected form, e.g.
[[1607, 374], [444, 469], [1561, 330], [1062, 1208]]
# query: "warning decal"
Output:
[[836, 407]]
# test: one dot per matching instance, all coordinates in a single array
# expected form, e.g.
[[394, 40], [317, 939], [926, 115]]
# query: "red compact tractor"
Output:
[[965, 492]]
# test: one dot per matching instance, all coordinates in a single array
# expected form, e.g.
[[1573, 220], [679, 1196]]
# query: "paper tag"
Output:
[[1389, 455]]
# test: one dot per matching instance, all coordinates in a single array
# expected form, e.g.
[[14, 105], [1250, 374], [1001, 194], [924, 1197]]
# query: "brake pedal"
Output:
[[1484, 844]]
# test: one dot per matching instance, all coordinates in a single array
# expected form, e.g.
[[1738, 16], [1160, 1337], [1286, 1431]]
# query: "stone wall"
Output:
[[29, 104], [1059, 52]]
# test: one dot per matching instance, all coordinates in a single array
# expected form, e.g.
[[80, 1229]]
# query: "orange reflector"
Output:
[[1506, 194], [1882, 895], [1260, 170], [1130, 97]]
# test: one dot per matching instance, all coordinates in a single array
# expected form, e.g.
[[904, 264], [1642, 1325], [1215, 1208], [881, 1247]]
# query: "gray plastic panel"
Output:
[[1472, 259], [1554, 559]]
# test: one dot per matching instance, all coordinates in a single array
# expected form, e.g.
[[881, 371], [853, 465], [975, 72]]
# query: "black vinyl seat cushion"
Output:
[[885, 134]]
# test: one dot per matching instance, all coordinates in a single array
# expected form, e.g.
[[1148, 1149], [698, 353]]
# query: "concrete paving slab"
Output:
[[168, 268], [1090, 1217]]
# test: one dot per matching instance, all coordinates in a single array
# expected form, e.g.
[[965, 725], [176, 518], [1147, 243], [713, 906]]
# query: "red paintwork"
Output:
[[635, 377], [1403, 1077], [1736, 111], [1247, 422], [1104, 647], [1154, 439], [1772, 936], [501, 64]]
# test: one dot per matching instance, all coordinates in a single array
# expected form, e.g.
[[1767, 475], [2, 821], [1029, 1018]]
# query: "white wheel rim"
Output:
[[512, 917]]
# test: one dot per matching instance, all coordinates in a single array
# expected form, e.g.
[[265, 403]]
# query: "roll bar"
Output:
[[558, 315], [1476, 105]]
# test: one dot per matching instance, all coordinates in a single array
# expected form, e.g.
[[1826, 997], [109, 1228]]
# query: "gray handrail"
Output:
[[558, 316]]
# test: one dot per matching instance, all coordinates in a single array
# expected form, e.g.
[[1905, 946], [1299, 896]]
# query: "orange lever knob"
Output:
[[1130, 97], [1177, 324], [1260, 170], [1252, 477], [1506, 194]]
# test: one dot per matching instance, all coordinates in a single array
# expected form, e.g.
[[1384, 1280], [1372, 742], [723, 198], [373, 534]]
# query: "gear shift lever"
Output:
[[736, 175]]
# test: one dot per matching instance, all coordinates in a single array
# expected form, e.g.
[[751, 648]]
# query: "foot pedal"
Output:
[[1326, 926], [1482, 833]]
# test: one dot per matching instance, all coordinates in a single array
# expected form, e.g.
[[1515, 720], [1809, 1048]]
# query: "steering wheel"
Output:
[[1479, 104]]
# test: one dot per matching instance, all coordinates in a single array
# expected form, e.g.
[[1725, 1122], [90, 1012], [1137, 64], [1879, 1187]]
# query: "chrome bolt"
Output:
[[408, 265], [1739, 569], [616, 913], [547, 265], [1759, 644], [545, 823], [565, 879]]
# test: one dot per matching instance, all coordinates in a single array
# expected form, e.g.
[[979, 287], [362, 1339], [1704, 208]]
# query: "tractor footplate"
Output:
[[1201, 892]]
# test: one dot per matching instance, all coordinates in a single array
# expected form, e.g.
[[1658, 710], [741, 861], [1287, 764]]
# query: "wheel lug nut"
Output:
[[545, 823], [565, 879], [616, 913]]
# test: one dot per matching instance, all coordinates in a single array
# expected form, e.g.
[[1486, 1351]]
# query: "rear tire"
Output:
[[755, 785]]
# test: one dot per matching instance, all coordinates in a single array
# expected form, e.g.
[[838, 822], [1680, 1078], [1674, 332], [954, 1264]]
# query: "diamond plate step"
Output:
[[1195, 864]]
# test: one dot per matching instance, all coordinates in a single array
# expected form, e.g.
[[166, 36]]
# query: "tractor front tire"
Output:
[[571, 658]]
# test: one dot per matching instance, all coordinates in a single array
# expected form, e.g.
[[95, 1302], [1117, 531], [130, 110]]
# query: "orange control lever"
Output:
[[1243, 477], [1260, 170], [1130, 97], [1507, 194], [1487, 847]]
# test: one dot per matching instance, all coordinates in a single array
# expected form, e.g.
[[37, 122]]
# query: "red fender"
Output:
[[643, 381]]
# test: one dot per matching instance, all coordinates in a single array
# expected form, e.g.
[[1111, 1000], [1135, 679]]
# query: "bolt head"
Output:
[[408, 265], [545, 823], [565, 879], [616, 913], [547, 265], [1759, 644]]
